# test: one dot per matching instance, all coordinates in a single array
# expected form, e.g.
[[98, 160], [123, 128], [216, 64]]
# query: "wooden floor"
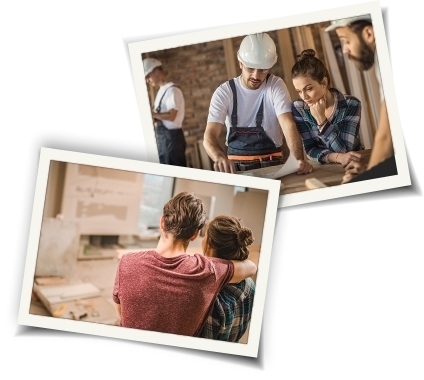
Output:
[[101, 272]]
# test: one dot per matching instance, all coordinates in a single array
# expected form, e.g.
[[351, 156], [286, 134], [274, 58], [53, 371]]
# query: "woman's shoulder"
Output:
[[350, 99]]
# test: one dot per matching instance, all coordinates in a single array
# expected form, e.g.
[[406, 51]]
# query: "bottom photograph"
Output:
[[148, 252]]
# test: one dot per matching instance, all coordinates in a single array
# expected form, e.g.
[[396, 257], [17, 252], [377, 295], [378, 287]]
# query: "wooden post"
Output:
[[230, 61], [287, 59]]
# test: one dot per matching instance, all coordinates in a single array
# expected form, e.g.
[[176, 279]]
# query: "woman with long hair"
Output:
[[327, 120]]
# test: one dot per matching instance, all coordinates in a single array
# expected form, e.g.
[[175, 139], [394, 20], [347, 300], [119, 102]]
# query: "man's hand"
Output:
[[223, 164], [304, 167], [346, 158], [353, 168]]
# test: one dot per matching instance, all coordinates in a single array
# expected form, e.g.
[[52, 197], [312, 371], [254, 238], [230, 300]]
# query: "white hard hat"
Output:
[[258, 51], [150, 64], [346, 22]]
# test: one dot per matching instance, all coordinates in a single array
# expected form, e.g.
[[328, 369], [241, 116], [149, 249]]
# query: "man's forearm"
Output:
[[294, 143], [293, 138], [212, 147], [242, 270], [213, 150], [383, 144], [169, 116]]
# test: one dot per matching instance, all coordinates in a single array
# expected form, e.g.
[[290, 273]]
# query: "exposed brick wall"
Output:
[[198, 70]]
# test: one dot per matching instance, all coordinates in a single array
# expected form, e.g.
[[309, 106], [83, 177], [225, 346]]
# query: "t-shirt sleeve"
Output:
[[281, 97], [223, 269], [218, 108], [175, 100]]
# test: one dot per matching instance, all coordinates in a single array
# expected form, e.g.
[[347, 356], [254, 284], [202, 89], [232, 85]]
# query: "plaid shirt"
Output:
[[339, 134], [231, 312]]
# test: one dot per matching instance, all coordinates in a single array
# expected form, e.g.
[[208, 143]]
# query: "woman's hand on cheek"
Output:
[[318, 110]]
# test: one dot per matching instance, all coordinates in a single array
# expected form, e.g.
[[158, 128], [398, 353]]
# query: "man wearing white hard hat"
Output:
[[357, 37], [168, 115], [255, 108]]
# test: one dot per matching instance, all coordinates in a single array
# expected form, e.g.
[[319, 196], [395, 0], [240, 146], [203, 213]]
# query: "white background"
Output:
[[345, 291]]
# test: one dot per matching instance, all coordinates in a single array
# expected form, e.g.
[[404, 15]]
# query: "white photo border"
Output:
[[373, 8], [249, 349]]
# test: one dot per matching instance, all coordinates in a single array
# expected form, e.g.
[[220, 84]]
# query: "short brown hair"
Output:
[[358, 26], [184, 215], [229, 238]]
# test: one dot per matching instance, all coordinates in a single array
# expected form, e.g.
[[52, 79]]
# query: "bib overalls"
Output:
[[170, 142], [250, 147]]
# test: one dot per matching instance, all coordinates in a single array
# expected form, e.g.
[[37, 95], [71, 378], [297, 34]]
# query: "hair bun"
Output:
[[245, 237], [308, 53]]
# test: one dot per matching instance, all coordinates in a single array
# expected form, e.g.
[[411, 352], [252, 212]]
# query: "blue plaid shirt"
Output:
[[231, 312], [339, 134]]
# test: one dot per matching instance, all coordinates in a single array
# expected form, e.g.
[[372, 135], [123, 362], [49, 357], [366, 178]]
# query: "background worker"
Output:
[[357, 37], [166, 289], [255, 108], [168, 115]]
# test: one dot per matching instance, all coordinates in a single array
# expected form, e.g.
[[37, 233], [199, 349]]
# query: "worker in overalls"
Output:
[[168, 115], [256, 110]]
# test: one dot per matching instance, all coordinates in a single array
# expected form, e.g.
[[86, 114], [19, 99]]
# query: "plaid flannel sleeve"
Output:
[[231, 313]]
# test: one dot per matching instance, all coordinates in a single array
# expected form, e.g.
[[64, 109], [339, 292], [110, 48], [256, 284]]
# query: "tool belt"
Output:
[[260, 157], [243, 163]]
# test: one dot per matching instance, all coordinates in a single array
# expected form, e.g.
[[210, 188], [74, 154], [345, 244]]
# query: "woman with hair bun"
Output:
[[227, 238], [327, 120]]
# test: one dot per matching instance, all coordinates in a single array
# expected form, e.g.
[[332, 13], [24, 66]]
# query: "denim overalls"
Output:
[[251, 141], [171, 142]]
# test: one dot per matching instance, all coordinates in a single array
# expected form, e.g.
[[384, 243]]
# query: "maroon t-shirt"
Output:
[[172, 295]]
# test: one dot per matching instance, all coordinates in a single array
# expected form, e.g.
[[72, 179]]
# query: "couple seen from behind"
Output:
[[207, 295]]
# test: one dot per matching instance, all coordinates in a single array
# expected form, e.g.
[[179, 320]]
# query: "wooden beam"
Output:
[[308, 38], [287, 59], [230, 62]]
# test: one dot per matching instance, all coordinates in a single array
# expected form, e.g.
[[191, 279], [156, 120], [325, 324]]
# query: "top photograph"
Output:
[[307, 100]]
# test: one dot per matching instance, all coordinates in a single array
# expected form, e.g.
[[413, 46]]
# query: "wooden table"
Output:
[[328, 174]]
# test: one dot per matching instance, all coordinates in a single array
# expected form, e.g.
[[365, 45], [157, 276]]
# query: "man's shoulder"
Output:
[[223, 91], [275, 80], [174, 88], [131, 257]]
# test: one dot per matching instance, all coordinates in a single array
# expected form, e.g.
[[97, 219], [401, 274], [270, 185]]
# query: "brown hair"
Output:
[[308, 65], [229, 238], [184, 215]]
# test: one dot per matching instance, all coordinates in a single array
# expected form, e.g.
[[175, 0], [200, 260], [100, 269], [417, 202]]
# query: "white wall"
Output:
[[224, 193]]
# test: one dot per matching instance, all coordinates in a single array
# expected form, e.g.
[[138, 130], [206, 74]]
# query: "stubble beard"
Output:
[[253, 85]]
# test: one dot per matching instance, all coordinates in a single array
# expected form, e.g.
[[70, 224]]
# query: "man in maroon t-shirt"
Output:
[[167, 290]]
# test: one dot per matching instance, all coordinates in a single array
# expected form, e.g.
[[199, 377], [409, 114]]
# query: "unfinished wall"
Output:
[[224, 193], [54, 190]]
